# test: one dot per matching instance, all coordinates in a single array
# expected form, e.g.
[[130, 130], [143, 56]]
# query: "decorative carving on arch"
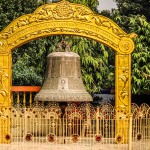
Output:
[[3, 90], [65, 18], [124, 79], [3, 46]]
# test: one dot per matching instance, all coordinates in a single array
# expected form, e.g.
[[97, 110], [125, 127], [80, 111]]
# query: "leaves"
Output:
[[141, 56], [94, 62], [134, 7], [133, 17]]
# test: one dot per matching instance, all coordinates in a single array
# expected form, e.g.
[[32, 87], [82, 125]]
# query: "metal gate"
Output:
[[83, 127]]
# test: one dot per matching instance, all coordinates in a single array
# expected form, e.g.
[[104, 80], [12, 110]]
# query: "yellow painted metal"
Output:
[[5, 103], [82, 125], [69, 19]]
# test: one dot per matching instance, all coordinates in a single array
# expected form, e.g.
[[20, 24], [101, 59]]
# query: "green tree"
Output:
[[96, 71], [12, 9], [133, 16], [141, 55], [134, 7], [138, 23], [23, 67]]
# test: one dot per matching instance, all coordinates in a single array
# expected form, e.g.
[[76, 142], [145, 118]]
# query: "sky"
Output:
[[106, 4]]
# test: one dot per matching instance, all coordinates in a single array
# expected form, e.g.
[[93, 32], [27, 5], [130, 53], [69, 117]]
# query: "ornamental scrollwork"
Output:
[[121, 113], [3, 46], [3, 77], [63, 11], [119, 138], [4, 112], [126, 45], [73, 30], [124, 92]]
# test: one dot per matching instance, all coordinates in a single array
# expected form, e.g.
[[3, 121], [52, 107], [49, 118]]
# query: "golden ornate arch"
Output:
[[69, 19]]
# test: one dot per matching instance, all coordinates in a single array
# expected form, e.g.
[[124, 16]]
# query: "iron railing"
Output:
[[51, 126], [24, 95]]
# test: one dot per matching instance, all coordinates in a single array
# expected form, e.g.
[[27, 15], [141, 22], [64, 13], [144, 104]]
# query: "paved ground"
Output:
[[60, 147], [77, 146]]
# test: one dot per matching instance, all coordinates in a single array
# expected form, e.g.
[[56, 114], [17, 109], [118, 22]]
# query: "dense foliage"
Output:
[[135, 21], [141, 55], [12, 9], [133, 16], [134, 7]]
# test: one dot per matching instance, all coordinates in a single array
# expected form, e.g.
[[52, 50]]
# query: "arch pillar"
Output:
[[5, 96], [123, 82], [122, 95]]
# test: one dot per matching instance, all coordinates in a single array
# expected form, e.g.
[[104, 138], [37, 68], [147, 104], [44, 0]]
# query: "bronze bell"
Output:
[[63, 81]]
